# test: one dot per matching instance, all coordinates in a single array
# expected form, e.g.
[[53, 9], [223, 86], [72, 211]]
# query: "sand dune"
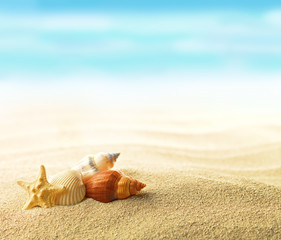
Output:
[[207, 177]]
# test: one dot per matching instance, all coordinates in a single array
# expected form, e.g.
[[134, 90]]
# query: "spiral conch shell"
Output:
[[75, 190], [110, 185], [91, 164]]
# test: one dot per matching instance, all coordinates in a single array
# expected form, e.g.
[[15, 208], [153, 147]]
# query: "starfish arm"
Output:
[[23, 184], [47, 203], [30, 204], [42, 173]]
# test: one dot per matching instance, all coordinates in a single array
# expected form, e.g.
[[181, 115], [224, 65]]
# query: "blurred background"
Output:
[[144, 53]]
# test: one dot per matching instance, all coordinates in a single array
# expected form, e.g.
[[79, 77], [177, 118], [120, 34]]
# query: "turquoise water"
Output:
[[70, 38]]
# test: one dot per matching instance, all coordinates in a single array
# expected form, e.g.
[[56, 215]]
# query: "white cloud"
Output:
[[76, 22], [55, 22], [41, 46], [24, 42], [216, 32], [221, 46], [158, 23], [273, 17], [210, 23], [112, 46]]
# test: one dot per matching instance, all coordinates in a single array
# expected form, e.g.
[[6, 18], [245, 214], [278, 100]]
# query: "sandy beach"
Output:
[[189, 94], [209, 175]]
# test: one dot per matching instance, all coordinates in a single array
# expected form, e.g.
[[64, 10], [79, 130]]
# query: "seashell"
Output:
[[110, 185], [74, 188], [91, 164]]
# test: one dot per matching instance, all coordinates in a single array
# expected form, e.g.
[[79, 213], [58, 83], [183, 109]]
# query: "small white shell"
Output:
[[75, 189], [92, 164]]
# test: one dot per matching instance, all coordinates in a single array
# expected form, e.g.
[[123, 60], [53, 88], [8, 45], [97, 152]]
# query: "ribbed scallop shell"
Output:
[[110, 185], [75, 189]]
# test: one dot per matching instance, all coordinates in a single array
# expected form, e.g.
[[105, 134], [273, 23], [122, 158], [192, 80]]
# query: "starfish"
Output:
[[41, 192]]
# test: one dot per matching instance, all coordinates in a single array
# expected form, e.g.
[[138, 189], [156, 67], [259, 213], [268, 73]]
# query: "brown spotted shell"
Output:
[[110, 185]]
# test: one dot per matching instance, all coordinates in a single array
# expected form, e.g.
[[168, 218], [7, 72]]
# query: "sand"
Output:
[[209, 175]]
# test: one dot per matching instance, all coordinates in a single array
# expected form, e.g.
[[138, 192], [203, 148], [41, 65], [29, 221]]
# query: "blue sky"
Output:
[[57, 38], [147, 5]]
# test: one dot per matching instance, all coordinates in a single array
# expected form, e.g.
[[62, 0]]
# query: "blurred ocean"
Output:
[[161, 53]]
